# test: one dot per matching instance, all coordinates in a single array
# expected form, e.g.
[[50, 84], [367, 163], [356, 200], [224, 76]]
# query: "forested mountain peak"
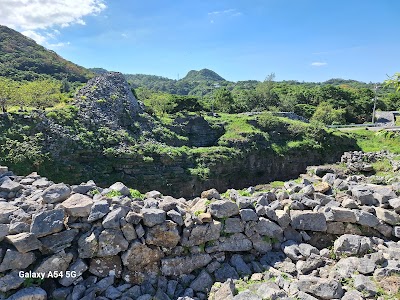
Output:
[[202, 75], [21, 58]]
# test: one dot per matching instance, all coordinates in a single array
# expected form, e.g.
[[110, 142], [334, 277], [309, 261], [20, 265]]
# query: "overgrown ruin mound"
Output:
[[107, 100]]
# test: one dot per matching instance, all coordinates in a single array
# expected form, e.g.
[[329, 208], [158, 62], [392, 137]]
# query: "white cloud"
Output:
[[231, 12], [37, 18], [318, 64]]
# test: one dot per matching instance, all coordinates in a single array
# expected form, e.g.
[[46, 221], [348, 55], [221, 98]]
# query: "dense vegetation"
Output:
[[23, 59], [335, 101]]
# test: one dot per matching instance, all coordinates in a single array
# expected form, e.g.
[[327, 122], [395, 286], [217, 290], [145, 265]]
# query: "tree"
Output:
[[266, 96], [7, 90], [394, 81], [223, 100], [327, 114], [43, 93]]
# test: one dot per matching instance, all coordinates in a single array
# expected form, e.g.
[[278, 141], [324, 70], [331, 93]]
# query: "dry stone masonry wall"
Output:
[[329, 235]]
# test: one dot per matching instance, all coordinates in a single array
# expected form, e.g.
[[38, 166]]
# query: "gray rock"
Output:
[[365, 285], [202, 283], [184, 265], [201, 234], [140, 260], [211, 194], [223, 209], [106, 266], [364, 196], [349, 244], [248, 214], [320, 287], [98, 210], [269, 228], [112, 293], [235, 243], [112, 220], [88, 245], [78, 205], [133, 217], [111, 242], [129, 232], [47, 222], [77, 268], [153, 216], [175, 216], [312, 263], [4, 230], [267, 290], [226, 272], [353, 295], [121, 188], [226, 291], [57, 262], [56, 193], [387, 216], [292, 250], [395, 203], [233, 225], [58, 241], [24, 242], [30, 293], [366, 219], [153, 194], [164, 235], [10, 186], [14, 260], [338, 214], [308, 220], [11, 281], [6, 210], [247, 295], [241, 267]]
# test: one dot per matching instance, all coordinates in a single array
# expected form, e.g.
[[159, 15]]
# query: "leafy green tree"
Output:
[[394, 81], [327, 114], [223, 100], [266, 96], [43, 93], [7, 92]]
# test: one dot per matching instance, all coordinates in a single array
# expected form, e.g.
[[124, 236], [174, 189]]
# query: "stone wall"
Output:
[[113, 244]]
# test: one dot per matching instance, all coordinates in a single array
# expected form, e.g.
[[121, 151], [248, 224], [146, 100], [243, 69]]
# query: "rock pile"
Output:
[[321, 237], [108, 100]]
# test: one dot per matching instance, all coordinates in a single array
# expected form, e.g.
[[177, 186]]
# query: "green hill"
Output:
[[21, 58], [203, 75]]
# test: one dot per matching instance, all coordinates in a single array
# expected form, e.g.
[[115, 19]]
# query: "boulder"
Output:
[[78, 205], [120, 188], [164, 235], [387, 216], [153, 216], [14, 260], [6, 210], [184, 265], [111, 242], [56, 193], [211, 194], [308, 220], [30, 293], [24, 242], [223, 209], [323, 288], [47, 222], [350, 244], [106, 266]]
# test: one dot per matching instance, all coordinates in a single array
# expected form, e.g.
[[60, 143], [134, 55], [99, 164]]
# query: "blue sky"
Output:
[[305, 40]]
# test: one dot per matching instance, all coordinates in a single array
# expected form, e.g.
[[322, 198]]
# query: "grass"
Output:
[[370, 141], [383, 167]]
